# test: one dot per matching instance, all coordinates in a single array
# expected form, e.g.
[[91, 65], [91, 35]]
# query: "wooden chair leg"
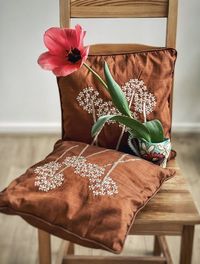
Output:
[[44, 247], [161, 248], [70, 250], [66, 249], [186, 245], [156, 249]]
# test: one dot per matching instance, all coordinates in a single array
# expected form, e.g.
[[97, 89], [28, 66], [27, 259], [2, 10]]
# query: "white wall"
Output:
[[28, 95]]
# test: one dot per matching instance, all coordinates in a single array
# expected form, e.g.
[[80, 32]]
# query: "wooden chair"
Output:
[[172, 212]]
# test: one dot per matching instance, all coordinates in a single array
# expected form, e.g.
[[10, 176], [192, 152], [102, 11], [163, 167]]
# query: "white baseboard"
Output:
[[28, 128], [56, 127], [186, 127]]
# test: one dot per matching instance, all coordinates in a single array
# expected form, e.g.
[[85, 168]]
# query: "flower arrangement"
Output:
[[66, 54]]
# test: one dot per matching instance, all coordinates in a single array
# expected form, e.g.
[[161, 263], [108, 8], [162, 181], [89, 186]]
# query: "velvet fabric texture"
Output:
[[85, 194], [144, 73]]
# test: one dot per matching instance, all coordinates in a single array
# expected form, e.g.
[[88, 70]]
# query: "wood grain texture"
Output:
[[113, 260], [156, 247], [164, 249], [106, 49], [173, 204], [118, 8], [70, 250], [186, 245], [118, 2], [170, 42], [172, 24], [44, 246], [65, 13]]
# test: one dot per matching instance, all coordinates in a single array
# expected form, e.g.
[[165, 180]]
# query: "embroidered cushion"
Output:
[[145, 75], [85, 194]]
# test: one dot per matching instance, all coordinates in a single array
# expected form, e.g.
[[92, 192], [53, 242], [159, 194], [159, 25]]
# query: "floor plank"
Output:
[[18, 241]]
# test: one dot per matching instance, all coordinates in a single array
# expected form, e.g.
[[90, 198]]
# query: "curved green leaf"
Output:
[[117, 95], [156, 130], [96, 128], [139, 130]]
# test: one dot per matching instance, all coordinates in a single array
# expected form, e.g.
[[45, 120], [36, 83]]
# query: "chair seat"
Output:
[[170, 209]]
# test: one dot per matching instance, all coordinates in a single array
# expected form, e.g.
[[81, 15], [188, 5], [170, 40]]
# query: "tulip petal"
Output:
[[66, 70], [80, 34], [49, 62], [84, 53], [55, 41], [71, 38], [60, 42]]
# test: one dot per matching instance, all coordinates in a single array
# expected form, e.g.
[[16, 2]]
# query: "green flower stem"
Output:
[[96, 75]]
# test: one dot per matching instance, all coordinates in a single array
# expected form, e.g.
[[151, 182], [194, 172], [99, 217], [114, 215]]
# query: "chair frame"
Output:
[[146, 223]]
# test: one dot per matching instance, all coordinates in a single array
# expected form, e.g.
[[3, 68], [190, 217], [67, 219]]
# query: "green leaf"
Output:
[[137, 127], [96, 128], [139, 130], [117, 95], [156, 130]]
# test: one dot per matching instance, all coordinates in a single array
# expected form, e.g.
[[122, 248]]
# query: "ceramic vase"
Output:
[[157, 153]]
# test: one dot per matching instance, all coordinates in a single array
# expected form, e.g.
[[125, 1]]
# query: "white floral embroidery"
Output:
[[91, 102], [47, 177], [141, 96], [107, 187], [84, 168], [50, 175], [95, 173], [106, 108], [89, 99]]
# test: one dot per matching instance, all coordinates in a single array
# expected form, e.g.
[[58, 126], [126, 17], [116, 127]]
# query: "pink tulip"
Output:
[[66, 52]]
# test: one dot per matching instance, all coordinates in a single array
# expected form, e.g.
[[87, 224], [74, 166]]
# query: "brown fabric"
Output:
[[154, 67], [72, 211]]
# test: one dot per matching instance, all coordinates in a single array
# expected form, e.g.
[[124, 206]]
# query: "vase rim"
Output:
[[164, 141]]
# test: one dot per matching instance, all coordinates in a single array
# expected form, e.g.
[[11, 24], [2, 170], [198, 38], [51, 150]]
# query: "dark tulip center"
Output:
[[74, 55]]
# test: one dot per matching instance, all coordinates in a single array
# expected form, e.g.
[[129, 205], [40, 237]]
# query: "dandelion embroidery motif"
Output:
[[50, 175], [107, 187], [141, 96], [95, 175], [90, 100], [107, 108], [135, 91], [84, 168], [47, 177]]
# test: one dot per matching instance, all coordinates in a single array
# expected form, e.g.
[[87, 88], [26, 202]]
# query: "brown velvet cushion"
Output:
[[144, 73], [85, 194]]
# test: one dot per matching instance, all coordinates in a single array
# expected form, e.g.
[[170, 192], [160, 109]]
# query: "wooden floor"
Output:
[[18, 240]]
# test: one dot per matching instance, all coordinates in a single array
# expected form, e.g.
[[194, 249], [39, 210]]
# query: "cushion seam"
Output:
[[87, 239]]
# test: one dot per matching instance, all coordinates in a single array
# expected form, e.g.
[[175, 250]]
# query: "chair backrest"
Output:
[[123, 9]]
